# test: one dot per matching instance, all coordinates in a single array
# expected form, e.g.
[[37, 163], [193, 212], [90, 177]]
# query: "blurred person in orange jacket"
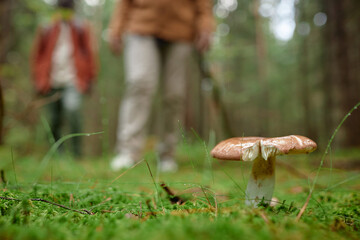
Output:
[[159, 37], [63, 65]]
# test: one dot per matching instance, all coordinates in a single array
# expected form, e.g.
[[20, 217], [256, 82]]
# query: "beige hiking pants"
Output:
[[145, 62]]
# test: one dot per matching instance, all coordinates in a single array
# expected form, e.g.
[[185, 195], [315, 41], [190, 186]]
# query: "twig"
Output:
[[264, 217], [173, 198], [217, 96], [82, 211], [302, 210]]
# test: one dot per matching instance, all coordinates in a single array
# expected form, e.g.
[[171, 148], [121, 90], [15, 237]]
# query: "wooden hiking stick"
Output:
[[216, 96]]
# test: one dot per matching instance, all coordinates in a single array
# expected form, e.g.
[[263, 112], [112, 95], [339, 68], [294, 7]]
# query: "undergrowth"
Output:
[[56, 197], [131, 207]]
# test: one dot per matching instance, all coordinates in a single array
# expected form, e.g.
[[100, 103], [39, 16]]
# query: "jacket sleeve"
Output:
[[36, 52], [205, 20], [119, 18], [36, 59]]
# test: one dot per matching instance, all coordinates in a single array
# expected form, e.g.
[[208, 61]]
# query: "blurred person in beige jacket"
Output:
[[159, 37]]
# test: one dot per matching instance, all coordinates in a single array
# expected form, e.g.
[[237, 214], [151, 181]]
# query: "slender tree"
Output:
[[304, 73], [328, 76], [342, 44], [261, 57], [5, 41]]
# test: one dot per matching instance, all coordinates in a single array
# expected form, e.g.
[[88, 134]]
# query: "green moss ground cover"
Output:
[[133, 205]]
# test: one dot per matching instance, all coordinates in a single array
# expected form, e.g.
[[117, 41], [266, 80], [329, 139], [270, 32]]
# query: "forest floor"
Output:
[[132, 204]]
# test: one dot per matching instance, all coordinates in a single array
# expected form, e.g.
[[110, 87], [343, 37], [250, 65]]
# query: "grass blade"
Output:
[[322, 161], [54, 147]]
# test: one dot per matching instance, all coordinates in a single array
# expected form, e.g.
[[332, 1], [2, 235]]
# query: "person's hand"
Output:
[[203, 41], [115, 44]]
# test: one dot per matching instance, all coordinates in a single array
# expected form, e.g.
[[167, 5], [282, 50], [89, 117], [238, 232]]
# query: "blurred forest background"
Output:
[[277, 67]]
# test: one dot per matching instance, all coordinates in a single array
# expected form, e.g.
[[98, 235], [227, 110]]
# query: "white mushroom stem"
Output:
[[263, 152], [261, 182]]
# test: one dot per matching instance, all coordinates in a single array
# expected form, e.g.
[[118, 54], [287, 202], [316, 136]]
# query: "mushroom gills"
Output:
[[261, 182], [262, 151]]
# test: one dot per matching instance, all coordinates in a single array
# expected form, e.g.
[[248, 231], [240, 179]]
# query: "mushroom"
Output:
[[263, 152]]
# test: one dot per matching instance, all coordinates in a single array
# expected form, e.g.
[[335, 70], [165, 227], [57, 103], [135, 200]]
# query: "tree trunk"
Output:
[[328, 76], [348, 93], [351, 26], [262, 71], [304, 83], [5, 40]]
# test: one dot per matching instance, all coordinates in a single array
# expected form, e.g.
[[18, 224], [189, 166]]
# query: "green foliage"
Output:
[[131, 208]]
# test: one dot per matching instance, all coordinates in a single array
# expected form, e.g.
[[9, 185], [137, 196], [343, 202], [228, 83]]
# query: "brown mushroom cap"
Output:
[[248, 148], [293, 144], [233, 148]]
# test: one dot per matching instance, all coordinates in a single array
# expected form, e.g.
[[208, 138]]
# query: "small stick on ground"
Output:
[[173, 198], [82, 211], [262, 214], [302, 210]]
